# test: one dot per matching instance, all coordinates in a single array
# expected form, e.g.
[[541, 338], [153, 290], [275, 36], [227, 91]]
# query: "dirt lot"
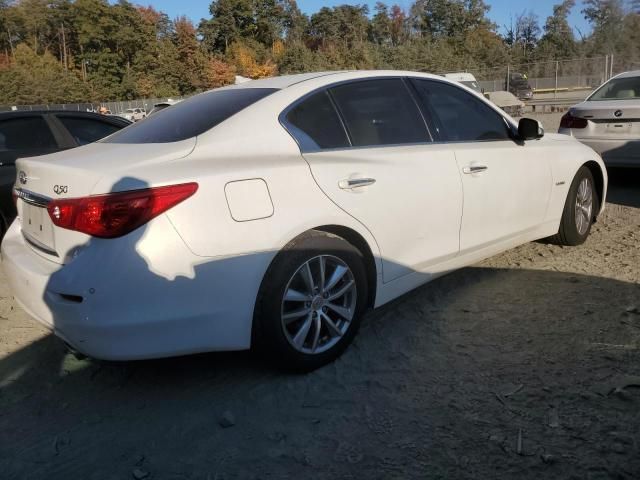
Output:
[[524, 366]]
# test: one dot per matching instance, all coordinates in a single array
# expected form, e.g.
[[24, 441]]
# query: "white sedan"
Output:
[[609, 121], [274, 213]]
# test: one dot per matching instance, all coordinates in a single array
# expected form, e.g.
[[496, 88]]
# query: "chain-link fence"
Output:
[[556, 76]]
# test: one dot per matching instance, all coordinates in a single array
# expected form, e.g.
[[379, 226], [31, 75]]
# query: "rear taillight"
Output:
[[116, 214], [569, 121]]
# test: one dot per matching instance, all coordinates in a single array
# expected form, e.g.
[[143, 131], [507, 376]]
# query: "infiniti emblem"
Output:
[[618, 113], [22, 176]]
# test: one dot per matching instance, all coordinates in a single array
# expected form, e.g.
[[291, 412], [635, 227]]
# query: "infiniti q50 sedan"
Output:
[[274, 213]]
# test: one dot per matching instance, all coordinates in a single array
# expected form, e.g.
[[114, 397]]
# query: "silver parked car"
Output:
[[609, 120], [134, 114]]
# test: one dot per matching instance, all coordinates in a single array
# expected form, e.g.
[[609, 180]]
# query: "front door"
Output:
[[506, 183]]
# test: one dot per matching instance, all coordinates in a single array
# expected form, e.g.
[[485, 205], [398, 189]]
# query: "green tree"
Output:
[[37, 79], [558, 40]]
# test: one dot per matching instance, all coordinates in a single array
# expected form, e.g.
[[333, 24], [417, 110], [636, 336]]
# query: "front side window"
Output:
[[191, 117], [380, 112], [316, 124], [458, 115]]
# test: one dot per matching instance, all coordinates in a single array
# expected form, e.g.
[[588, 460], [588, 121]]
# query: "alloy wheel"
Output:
[[584, 206], [319, 304]]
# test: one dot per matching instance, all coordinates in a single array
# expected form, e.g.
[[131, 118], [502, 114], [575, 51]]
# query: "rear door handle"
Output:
[[474, 169], [351, 183]]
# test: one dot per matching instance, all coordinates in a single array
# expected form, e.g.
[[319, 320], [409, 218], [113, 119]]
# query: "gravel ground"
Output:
[[524, 366]]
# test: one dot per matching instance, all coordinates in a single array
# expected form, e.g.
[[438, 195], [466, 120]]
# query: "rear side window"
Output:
[[191, 117], [380, 112], [86, 130], [627, 88], [315, 123], [25, 133], [459, 116]]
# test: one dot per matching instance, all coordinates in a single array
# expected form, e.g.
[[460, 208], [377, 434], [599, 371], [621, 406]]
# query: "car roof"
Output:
[[283, 81], [633, 73]]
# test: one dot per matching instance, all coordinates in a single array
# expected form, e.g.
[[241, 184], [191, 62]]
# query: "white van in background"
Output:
[[467, 79]]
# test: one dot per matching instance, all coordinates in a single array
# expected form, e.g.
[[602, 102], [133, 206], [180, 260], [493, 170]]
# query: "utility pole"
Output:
[[64, 47], [508, 76], [611, 67]]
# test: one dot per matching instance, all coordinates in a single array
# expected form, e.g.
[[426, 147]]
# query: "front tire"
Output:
[[311, 302], [580, 210]]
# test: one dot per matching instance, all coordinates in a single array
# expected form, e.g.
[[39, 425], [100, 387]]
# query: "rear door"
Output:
[[370, 151], [506, 184]]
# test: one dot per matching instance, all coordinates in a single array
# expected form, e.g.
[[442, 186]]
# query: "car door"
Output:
[[371, 153], [507, 183], [22, 135]]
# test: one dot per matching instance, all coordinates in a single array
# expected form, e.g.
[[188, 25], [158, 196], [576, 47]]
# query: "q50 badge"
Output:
[[61, 189]]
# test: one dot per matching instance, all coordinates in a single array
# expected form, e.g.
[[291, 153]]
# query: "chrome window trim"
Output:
[[307, 145]]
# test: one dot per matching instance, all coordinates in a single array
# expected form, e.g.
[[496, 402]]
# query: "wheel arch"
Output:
[[358, 241], [598, 178], [348, 234]]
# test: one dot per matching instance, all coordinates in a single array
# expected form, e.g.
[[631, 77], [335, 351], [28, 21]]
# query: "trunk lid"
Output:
[[611, 119], [616, 110], [94, 169]]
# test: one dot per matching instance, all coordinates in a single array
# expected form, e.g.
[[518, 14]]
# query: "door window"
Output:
[[458, 115], [380, 112], [316, 124], [25, 133], [85, 130]]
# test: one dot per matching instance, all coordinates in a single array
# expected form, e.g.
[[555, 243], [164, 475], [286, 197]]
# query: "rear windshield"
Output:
[[618, 89], [191, 117]]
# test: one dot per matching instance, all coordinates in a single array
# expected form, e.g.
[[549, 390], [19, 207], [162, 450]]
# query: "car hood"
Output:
[[607, 110]]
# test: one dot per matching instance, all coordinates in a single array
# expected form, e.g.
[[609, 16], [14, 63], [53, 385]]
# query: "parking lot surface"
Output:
[[524, 366]]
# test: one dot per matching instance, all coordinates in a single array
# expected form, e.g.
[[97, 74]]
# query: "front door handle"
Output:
[[351, 183], [474, 169]]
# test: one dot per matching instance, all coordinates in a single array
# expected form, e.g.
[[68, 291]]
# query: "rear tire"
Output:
[[311, 302], [580, 210]]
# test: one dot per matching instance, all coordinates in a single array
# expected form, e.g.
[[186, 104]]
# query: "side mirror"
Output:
[[529, 129]]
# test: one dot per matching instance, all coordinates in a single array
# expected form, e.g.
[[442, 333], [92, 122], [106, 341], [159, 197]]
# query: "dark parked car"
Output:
[[28, 134], [518, 84]]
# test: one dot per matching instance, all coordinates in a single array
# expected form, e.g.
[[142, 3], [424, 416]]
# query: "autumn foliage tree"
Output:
[[90, 50]]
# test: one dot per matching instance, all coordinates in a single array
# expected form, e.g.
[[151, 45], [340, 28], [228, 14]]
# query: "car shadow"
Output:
[[484, 373], [624, 186]]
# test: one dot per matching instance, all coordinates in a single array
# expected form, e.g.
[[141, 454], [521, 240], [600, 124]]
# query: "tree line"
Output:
[[66, 51]]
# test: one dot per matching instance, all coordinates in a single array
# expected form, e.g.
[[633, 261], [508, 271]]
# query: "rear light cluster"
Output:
[[116, 214], [569, 121]]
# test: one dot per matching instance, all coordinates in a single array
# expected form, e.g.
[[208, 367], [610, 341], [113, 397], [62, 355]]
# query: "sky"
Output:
[[502, 11]]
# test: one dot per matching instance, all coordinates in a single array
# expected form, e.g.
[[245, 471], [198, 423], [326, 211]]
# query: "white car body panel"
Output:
[[500, 202], [188, 280], [405, 230]]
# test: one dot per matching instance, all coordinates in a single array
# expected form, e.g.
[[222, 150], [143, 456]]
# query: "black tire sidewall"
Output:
[[268, 334], [570, 230]]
